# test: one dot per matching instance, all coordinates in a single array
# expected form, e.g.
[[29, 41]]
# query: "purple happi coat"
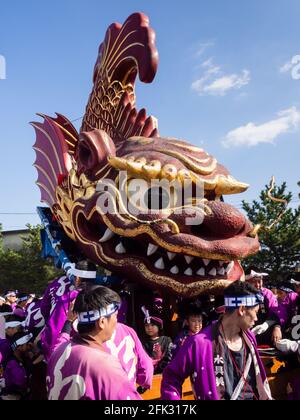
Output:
[[54, 291], [285, 308], [22, 313], [270, 300], [60, 297], [126, 346], [5, 351], [196, 360], [16, 379], [34, 318], [81, 370]]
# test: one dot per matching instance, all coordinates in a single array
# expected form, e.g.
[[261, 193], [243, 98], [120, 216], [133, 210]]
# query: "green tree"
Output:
[[280, 247], [25, 269], [1, 240]]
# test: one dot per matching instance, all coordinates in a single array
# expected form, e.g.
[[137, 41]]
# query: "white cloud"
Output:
[[210, 84], [286, 67], [210, 68], [251, 134], [202, 47], [224, 84]]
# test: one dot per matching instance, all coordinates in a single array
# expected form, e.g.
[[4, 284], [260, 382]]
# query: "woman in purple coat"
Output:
[[222, 360]]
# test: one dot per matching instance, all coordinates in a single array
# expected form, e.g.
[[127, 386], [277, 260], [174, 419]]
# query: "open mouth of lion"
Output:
[[192, 262]]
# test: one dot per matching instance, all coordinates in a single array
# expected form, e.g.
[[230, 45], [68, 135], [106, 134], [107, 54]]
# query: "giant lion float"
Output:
[[155, 249]]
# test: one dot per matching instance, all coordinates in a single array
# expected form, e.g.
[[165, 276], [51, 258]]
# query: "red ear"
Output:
[[94, 147], [61, 178]]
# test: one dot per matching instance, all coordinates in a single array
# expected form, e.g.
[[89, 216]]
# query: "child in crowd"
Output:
[[158, 346], [193, 323]]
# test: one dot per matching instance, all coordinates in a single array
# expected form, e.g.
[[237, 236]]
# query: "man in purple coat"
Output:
[[17, 368], [287, 300], [81, 369], [125, 346], [11, 298], [56, 303], [222, 360], [268, 327], [22, 302]]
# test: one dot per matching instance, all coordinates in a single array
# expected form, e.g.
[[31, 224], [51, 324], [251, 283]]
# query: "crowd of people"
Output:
[[73, 342]]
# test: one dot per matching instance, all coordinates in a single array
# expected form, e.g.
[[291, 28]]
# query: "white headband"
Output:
[[248, 301], [10, 294], [254, 274], [22, 340], [82, 273], [92, 316], [23, 299], [5, 313], [13, 324], [292, 281]]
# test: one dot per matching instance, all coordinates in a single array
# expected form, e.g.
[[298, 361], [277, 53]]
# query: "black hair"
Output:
[[238, 289], [13, 318], [85, 265], [194, 309], [17, 336], [21, 295], [5, 308], [93, 299]]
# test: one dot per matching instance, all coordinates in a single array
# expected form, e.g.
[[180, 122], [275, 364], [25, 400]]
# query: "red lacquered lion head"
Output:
[[118, 149]]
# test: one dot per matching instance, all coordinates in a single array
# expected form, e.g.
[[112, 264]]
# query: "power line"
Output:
[[76, 119], [18, 214]]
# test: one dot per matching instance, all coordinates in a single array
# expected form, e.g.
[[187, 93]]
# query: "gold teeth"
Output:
[[169, 172], [140, 167], [154, 170], [185, 175]]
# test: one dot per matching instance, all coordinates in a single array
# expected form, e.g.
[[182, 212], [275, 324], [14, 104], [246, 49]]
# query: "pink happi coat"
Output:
[[54, 307], [78, 370], [126, 346]]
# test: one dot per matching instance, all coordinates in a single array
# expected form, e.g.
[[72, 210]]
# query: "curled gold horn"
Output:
[[259, 227], [255, 231]]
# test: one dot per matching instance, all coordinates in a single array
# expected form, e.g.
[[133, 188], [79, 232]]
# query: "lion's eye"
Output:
[[147, 197], [157, 198]]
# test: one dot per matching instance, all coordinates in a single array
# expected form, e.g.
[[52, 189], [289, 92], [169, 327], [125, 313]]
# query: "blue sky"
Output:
[[225, 82]]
